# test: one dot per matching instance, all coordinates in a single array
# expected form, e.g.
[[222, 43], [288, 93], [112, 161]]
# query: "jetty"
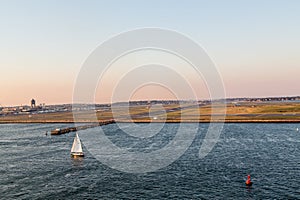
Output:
[[60, 131]]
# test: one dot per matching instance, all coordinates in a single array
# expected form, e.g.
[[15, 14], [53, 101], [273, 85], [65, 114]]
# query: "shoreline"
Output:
[[149, 121], [243, 112]]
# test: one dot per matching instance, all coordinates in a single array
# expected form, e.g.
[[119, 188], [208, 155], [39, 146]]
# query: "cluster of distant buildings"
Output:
[[33, 108], [265, 99]]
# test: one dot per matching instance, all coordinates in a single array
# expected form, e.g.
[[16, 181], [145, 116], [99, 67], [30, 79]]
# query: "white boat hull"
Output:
[[77, 154]]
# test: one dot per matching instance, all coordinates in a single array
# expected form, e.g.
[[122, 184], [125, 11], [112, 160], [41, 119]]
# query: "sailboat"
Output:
[[76, 150]]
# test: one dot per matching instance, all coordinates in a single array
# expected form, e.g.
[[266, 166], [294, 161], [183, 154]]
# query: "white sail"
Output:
[[76, 147]]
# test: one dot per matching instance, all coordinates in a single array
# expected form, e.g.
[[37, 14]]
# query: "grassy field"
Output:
[[241, 112]]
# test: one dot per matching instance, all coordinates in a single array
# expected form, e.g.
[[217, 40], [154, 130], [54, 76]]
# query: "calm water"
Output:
[[35, 166]]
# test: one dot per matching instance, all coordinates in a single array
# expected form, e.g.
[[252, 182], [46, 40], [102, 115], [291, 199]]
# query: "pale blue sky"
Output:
[[255, 44]]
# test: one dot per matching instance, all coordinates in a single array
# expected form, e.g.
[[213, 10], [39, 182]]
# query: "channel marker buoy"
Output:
[[248, 181]]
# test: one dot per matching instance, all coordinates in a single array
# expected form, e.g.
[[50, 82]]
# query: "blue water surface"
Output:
[[36, 166]]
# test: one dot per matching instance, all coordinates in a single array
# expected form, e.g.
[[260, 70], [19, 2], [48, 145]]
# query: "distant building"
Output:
[[33, 103]]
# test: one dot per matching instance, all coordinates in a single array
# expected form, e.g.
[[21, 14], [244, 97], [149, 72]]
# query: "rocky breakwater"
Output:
[[60, 131]]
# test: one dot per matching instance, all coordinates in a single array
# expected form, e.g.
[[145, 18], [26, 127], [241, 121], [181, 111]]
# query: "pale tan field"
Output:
[[241, 112]]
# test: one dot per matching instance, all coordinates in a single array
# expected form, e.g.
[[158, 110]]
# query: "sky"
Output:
[[43, 44]]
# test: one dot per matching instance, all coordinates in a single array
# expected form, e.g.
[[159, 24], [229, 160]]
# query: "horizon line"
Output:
[[164, 100]]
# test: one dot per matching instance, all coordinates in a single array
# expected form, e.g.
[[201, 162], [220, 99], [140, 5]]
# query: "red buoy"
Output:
[[248, 181]]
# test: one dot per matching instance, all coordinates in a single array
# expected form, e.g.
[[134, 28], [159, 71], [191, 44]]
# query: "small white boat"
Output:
[[76, 150]]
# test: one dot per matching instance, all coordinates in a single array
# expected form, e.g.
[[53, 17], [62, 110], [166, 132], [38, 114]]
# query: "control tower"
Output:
[[32, 103]]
